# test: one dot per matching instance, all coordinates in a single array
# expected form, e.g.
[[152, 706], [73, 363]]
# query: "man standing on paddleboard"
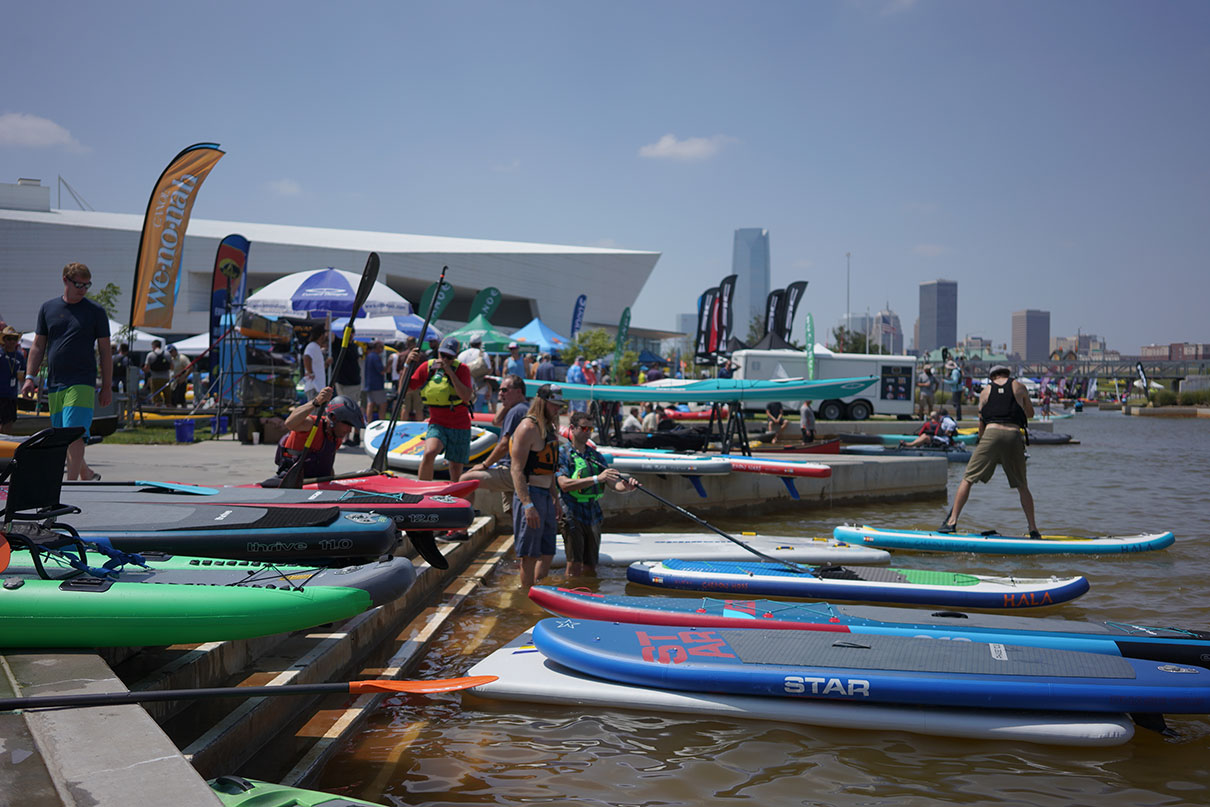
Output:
[[1004, 411]]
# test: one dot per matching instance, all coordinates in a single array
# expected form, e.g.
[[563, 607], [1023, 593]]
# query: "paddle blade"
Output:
[[5, 552], [424, 687]]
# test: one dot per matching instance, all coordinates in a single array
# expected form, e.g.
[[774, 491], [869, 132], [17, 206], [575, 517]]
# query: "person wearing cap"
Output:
[[179, 381], [340, 416], [1004, 412], [534, 455], [12, 375], [590, 372], [515, 363], [953, 378], [447, 389]]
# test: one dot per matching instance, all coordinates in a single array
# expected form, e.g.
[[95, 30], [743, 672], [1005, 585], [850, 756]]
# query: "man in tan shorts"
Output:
[[1004, 411]]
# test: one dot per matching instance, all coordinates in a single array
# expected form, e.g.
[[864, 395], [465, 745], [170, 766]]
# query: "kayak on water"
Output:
[[1168, 644], [994, 543], [860, 583]]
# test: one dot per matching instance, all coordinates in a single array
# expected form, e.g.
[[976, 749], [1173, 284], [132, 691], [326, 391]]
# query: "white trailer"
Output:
[[893, 395]]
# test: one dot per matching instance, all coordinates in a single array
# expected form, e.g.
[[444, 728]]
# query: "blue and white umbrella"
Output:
[[324, 291], [386, 329]]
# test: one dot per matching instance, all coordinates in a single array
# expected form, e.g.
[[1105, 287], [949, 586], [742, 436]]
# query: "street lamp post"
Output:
[[848, 308]]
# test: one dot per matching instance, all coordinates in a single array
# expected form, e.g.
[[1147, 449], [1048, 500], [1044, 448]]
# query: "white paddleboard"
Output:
[[635, 461], [407, 444], [524, 674], [625, 548]]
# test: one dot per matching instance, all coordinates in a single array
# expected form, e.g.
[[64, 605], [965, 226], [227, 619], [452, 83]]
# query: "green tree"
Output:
[[591, 345], [853, 341], [107, 298], [756, 329]]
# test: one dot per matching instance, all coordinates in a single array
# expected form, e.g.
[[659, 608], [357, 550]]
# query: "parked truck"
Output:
[[893, 395]]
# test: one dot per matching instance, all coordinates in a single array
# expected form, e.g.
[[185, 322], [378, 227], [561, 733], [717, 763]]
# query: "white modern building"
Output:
[[534, 279]]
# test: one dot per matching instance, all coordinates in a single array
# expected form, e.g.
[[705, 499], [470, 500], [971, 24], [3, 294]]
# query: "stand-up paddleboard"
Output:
[[525, 675], [236, 791], [953, 454], [788, 665], [625, 548], [932, 541], [777, 467], [1169, 644], [255, 533], [637, 461], [407, 444], [391, 483], [861, 583], [408, 510], [721, 390]]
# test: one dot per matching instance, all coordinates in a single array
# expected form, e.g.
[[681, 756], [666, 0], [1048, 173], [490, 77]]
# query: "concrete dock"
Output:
[[135, 755]]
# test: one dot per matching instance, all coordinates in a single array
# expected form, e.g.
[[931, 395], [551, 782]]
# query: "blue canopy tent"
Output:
[[649, 358], [540, 334]]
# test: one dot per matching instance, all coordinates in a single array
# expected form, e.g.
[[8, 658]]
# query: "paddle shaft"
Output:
[[293, 477], [153, 696], [380, 457]]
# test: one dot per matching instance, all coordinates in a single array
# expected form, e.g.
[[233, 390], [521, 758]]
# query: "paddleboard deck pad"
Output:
[[860, 583], [624, 548], [932, 541], [525, 675], [1167, 644], [876, 669]]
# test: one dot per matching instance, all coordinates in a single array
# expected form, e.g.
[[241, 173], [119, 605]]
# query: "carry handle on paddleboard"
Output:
[[294, 477]]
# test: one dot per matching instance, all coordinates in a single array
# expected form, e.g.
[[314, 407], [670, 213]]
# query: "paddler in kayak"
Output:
[[340, 417]]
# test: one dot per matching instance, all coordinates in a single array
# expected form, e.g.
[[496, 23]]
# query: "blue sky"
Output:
[[1048, 155]]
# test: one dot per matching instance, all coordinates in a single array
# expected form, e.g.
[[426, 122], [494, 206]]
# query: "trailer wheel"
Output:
[[860, 410], [831, 410]]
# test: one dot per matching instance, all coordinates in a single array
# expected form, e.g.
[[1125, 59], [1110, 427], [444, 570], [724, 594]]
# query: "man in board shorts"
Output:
[[534, 454], [1004, 411], [68, 327], [446, 388]]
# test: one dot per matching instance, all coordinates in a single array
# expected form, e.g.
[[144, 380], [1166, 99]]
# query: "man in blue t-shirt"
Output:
[[68, 327], [494, 471], [12, 373]]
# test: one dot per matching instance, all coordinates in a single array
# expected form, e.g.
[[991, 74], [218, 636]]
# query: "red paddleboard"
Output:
[[701, 414]]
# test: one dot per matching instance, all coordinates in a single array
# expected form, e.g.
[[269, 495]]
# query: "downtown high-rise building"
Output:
[[1031, 335], [938, 323], [750, 261]]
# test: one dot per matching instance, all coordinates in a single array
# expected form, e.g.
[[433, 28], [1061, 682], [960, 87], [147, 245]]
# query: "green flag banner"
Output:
[[810, 347], [486, 302], [623, 337], [444, 297]]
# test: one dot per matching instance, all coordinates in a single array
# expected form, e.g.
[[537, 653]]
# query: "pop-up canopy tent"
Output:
[[540, 334], [494, 341], [649, 358]]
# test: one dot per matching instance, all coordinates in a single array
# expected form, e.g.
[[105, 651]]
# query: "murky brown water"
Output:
[[1129, 475]]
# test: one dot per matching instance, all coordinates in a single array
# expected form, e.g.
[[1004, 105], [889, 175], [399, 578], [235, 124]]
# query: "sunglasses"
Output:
[[85, 286], [587, 427]]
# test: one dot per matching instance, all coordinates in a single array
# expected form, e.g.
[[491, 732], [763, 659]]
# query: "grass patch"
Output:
[[148, 435]]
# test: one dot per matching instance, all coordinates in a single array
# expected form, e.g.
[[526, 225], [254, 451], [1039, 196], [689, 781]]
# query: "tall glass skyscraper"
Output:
[[938, 315], [750, 260], [1031, 335]]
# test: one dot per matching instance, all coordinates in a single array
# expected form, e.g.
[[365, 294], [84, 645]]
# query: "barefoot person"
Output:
[[1004, 410], [68, 327], [534, 454]]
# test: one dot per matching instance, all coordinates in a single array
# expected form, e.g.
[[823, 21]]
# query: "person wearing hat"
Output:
[[12, 375], [340, 416], [534, 457], [179, 382], [515, 363], [953, 377], [926, 389], [1004, 412], [447, 389]]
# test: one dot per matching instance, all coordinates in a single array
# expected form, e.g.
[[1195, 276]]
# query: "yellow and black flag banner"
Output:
[[159, 261]]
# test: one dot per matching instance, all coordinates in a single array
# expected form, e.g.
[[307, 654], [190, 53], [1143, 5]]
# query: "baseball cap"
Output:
[[999, 368], [476, 340], [449, 346], [552, 393], [512, 345]]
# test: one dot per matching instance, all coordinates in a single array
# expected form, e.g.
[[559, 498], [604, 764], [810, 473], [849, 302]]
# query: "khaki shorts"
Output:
[[1002, 447]]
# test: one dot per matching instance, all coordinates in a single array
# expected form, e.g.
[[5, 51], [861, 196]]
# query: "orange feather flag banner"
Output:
[[158, 265]]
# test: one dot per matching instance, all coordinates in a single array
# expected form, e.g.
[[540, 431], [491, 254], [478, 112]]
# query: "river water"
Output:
[[1128, 475]]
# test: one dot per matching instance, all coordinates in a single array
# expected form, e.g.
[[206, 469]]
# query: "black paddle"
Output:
[[294, 477], [380, 457], [154, 695], [789, 565]]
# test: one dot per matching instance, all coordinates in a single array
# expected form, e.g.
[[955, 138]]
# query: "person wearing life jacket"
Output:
[[447, 390], [583, 478], [534, 456], [1004, 412], [340, 416]]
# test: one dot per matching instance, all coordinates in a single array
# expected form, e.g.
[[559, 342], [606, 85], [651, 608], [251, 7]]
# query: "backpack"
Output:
[[159, 362], [478, 367]]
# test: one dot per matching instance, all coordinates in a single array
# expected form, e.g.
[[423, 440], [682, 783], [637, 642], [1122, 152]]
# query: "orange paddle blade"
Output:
[[5, 552], [439, 685]]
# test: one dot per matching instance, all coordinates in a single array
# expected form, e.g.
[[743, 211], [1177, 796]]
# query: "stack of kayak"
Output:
[[111, 564]]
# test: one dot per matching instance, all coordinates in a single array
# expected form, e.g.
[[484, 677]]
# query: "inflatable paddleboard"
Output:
[[1170, 644], [861, 583], [236, 791], [949, 454], [407, 444], [931, 541], [525, 675], [637, 461], [789, 665], [625, 548], [777, 467]]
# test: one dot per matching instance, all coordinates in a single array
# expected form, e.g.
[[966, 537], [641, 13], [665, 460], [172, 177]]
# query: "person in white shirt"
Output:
[[315, 371], [651, 420], [631, 423]]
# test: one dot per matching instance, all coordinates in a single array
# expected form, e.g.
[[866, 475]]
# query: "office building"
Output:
[[750, 262], [1031, 335], [938, 316]]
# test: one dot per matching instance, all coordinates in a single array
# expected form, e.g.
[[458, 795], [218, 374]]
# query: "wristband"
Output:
[[527, 506], [594, 479]]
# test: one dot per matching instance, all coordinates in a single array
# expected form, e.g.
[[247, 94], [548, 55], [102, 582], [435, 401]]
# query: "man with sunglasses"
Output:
[[494, 472], [12, 373], [68, 328]]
